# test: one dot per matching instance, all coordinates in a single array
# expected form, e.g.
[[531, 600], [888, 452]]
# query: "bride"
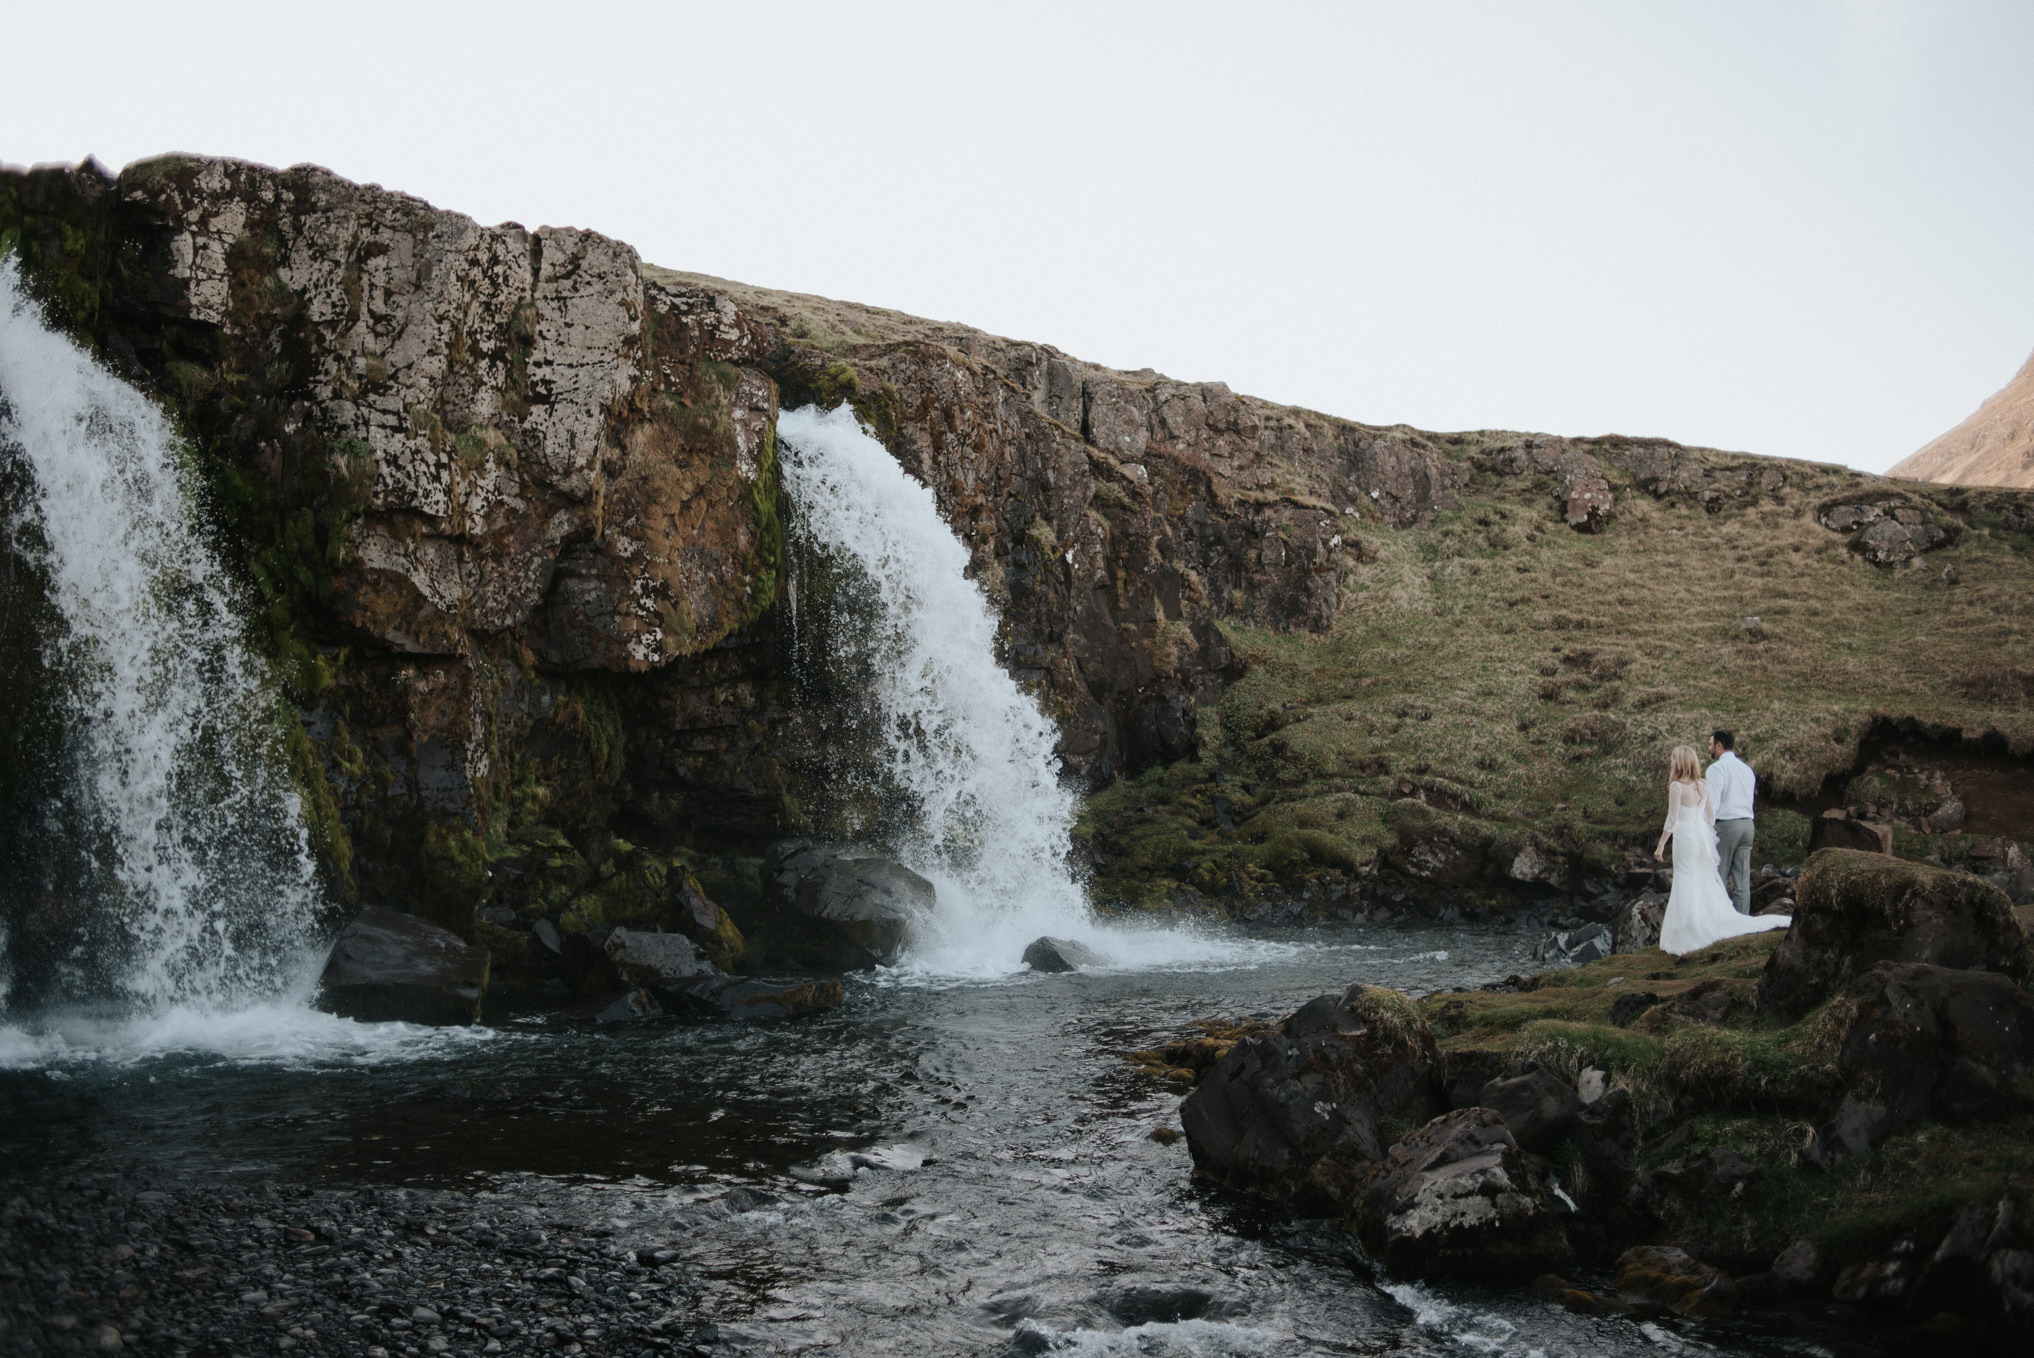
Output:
[[1699, 913]]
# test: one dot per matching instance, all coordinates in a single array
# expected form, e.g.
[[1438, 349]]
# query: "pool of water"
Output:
[[945, 1165]]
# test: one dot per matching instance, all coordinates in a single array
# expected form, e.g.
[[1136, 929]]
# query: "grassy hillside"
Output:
[[1497, 681]]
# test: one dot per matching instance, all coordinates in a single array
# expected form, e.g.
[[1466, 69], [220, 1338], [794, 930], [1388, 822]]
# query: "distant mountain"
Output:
[[1994, 447]]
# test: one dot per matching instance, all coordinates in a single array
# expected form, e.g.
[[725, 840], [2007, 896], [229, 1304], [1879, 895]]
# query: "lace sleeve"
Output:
[[1708, 805]]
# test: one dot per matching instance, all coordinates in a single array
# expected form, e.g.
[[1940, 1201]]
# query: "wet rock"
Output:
[[1855, 910], [635, 1007], [1458, 1196], [752, 999], [646, 959], [847, 907], [1673, 1280], [388, 966], [1587, 944], [1060, 954], [1144, 1304], [1536, 1105], [1296, 1111], [1932, 1043]]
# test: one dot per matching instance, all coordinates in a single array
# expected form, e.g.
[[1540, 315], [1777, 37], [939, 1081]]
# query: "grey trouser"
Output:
[[1733, 860]]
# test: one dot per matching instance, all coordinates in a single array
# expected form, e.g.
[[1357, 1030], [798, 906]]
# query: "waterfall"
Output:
[[987, 819], [166, 863]]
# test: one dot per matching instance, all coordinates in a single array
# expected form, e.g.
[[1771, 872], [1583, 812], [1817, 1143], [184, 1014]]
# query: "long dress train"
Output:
[[1699, 911]]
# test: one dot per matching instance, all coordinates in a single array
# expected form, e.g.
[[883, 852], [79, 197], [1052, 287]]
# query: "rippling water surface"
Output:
[[1043, 1216]]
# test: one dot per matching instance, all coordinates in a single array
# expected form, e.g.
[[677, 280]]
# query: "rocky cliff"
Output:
[[508, 501]]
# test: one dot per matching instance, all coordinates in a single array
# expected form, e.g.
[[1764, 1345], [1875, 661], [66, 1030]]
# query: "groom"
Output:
[[1731, 781]]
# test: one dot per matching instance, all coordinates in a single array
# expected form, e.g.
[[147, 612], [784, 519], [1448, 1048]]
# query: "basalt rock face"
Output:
[[498, 519]]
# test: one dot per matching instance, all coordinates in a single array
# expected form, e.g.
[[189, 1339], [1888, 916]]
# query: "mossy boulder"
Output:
[[1854, 910]]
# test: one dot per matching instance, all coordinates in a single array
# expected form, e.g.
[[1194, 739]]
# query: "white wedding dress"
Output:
[[1699, 911]]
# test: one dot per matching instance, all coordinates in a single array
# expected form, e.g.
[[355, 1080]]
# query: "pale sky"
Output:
[[1801, 229]]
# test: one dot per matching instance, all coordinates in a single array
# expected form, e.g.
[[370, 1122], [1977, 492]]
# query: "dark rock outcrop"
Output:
[[386, 966], [1297, 1111], [1855, 910], [1458, 1196], [1060, 954], [1536, 1105], [1929, 1042]]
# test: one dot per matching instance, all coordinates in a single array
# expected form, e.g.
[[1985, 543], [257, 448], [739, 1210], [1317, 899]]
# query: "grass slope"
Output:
[[1497, 680]]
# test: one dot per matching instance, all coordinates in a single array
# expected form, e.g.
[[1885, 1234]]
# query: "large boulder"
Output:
[[836, 907], [1854, 910], [1458, 1196], [1929, 1043], [388, 966], [1296, 1111]]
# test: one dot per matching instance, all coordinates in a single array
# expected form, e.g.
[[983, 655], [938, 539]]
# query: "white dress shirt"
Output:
[[1731, 781]]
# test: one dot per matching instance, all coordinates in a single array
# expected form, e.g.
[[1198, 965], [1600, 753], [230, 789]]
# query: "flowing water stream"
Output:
[[958, 1160]]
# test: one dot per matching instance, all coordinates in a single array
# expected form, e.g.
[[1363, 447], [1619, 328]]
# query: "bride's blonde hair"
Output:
[[1686, 766]]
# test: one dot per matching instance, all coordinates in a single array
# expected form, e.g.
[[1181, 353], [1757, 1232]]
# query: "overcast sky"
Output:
[[1802, 229]]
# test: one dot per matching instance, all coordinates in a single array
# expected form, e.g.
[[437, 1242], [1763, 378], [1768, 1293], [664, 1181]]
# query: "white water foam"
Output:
[[198, 894], [969, 748], [284, 1032]]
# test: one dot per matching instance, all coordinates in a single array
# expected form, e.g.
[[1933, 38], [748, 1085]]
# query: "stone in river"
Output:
[[1060, 954], [387, 966], [641, 958], [1458, 1196], [751, 998], [838, 907], [1662, 1276]]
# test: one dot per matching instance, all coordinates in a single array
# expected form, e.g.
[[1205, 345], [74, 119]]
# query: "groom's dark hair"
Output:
[[1725, 739]]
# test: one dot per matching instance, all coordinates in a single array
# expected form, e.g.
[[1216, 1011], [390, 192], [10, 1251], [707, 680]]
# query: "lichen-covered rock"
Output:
[[1459, 1197], [1854, 910], [389, 966], [1673, 1280]]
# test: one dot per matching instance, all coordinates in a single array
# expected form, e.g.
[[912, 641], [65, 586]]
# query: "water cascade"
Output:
[[972, 755], [160, 862]]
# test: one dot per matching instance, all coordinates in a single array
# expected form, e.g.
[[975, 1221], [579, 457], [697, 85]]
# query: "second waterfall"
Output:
[[965, 755]]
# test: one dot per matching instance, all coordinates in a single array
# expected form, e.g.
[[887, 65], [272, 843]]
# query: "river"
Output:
[[1043, 1218]]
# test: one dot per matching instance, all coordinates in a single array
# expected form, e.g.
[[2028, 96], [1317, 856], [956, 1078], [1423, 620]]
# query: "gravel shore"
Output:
[[204, 1267]]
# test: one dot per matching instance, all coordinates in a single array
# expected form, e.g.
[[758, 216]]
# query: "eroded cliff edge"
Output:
[[508, 501]]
